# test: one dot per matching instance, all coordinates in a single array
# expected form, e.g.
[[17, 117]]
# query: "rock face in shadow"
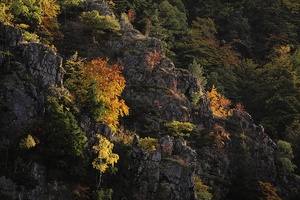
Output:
[[27, 72], [167, 173]]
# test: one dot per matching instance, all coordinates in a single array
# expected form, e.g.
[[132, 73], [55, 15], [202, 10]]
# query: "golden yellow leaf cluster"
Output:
[[105, 156], [219, 104]]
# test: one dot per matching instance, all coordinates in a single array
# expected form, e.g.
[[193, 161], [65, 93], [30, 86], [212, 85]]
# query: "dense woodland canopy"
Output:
[[247, 51]]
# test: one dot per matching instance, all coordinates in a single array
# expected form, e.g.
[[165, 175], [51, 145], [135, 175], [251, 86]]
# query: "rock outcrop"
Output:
[[167, 173], [41, 189], [156, 91], [27, 72]]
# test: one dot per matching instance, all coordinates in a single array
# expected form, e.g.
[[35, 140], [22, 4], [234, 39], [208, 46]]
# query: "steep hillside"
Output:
[[223, 156]]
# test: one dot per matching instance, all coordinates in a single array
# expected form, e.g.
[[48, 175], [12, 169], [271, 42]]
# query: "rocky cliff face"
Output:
[[225, 151], [156, 91], [168, 173], [27, 72]]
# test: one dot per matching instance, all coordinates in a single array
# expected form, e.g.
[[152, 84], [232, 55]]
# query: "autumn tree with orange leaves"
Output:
[[97, 86], [109, 83]]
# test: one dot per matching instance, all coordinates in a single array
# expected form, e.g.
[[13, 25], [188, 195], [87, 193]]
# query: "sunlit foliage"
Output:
[[149, 144], [109, 83], [219, 104], [124, 136], [105, 157], [27, 143], [5, 15], [98, 24], [40, 17], [203, 192], [179, 129], [75, 81], [98, 86]]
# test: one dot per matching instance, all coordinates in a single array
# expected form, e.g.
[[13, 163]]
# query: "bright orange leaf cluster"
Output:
[[110, 84], [131, 15], [218, 136], [219, 104]]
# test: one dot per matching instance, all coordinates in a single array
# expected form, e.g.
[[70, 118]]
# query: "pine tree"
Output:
[[65, 141]]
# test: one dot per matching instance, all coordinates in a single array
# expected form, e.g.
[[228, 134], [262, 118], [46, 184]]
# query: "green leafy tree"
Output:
[[198, 71], [85, 93], [201, 44], [285, 154], [293, 137], [179, 129], [254, 27], [74, 77], [203, 192], [66, 5], [27, 12], [272, 93], [165, 20], [94, 106], [272, 23], [93, 22], [218, 61], [121, 6], [149, 144], [35, 16], [179, 5]]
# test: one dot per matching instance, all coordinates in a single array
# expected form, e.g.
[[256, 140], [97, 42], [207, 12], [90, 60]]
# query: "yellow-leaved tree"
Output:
[[27, 143], [109, 84], [105, 156], [219, 104]]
